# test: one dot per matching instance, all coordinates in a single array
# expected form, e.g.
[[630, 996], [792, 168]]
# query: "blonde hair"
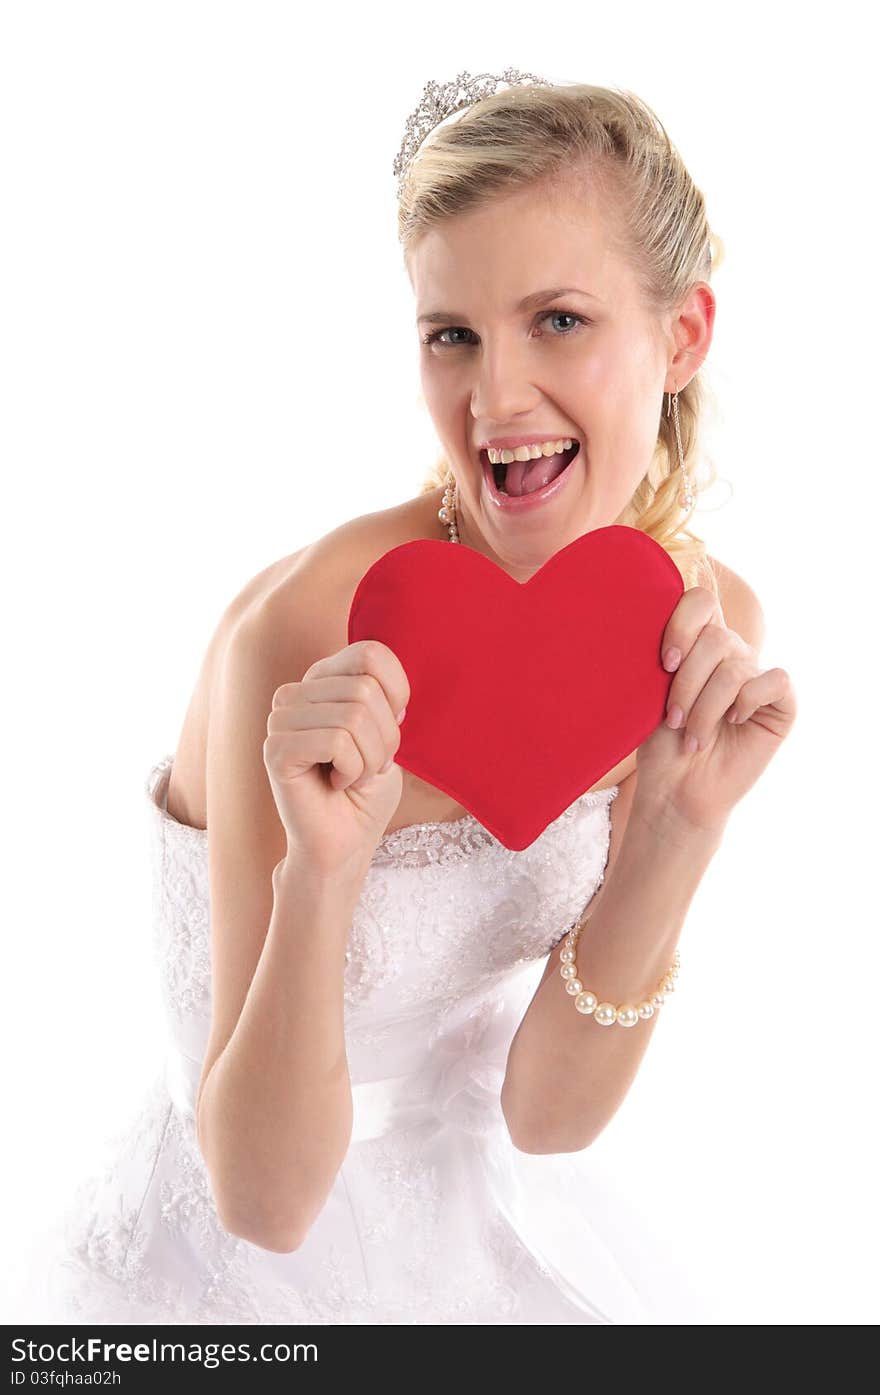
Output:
[[594, 140]]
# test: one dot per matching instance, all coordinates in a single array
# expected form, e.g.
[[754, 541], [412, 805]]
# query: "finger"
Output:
[[364, 688], [717, 695], [346, 760], [352, 717], [772, 690], [368, 656], [696, 607], [292, 753], [711, 647]]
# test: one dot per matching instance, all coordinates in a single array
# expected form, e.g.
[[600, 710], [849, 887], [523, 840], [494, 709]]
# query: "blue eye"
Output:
[[435, 336]]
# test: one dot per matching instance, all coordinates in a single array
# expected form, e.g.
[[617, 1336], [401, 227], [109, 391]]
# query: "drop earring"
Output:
[[686, 496]]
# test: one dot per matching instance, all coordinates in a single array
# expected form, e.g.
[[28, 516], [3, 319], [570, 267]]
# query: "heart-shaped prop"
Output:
[[522, 696]]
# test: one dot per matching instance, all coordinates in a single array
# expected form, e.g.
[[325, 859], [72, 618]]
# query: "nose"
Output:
[[502, 390]]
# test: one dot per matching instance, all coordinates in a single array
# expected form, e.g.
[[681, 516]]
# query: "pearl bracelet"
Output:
[[606, 1014]]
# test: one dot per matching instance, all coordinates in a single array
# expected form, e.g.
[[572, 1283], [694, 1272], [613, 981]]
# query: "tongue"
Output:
[[525, 476]]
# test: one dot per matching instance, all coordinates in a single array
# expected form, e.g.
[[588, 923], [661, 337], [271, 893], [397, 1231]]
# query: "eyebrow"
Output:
[[530, 302]]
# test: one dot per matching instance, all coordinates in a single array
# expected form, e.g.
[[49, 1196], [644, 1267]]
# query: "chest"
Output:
[[424, 803]]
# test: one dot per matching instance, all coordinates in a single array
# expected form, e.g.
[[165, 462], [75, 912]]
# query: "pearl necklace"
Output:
[[447, 513]]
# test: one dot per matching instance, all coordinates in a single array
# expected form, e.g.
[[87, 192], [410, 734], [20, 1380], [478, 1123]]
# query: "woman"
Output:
[[376, 1107]]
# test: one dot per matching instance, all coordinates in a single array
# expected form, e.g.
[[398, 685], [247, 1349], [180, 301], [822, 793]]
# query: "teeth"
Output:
[[504, 457]]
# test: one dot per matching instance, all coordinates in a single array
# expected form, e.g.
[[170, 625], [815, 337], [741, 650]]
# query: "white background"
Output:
[[209, 358]]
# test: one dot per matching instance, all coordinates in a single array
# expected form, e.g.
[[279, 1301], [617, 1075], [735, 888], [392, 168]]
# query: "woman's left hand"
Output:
[[716, 677]]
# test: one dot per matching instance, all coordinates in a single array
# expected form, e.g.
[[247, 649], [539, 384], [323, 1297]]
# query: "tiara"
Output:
[[441, 99]]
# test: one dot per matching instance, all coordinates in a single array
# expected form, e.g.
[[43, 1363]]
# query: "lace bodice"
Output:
[[446, 914]]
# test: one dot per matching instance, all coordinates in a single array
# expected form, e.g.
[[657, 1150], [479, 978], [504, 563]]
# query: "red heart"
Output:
[[522, 696]]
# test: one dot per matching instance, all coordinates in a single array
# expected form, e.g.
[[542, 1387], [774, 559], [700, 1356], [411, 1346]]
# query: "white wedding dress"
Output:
[[434, 1216]]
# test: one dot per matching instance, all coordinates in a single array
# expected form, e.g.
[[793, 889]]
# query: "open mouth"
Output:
[[521, 480]]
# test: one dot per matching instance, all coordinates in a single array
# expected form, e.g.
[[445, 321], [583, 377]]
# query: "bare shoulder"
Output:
[[742, 609], [314, 596], [298, 609], [186, 800]]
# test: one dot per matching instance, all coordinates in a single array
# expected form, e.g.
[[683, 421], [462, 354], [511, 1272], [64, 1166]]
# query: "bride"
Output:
[[389, 1045]]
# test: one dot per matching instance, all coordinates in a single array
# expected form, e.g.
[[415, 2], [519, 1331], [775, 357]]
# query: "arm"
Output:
[[274, 1103], [567, 1076], [275, 1110]]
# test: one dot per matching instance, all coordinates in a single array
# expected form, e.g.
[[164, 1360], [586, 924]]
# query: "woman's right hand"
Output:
[[330, 736]]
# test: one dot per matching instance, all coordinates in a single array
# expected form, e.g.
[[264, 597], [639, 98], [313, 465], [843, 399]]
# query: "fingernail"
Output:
[[675, 715], [387, 766], [400, 716], [691, 744], [672, 659]]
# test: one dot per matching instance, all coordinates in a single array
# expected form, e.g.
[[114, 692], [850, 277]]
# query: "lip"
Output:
[[509, 503]]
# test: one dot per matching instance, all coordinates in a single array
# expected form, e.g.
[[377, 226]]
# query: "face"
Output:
[[590, 365]]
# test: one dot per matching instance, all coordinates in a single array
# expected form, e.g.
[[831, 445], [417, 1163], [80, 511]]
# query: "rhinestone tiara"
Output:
[[441, 99]]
